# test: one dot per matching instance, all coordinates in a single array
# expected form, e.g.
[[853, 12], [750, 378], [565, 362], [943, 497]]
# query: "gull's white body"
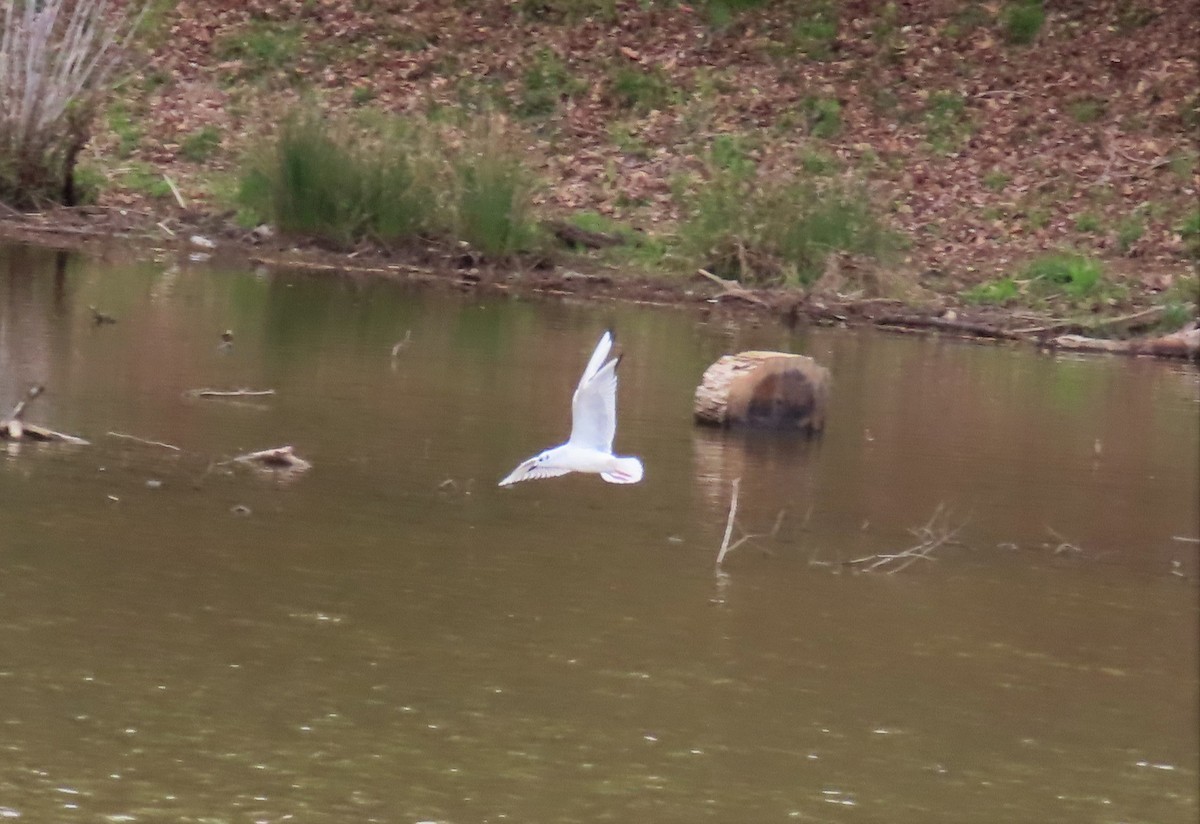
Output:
[[593, 426]]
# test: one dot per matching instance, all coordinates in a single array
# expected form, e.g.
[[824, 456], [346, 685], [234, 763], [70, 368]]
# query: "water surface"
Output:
[[389, 637]]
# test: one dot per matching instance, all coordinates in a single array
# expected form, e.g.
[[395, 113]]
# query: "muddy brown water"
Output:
[[391, 638]]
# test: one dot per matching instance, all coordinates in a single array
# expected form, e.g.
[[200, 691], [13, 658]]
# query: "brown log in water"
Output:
[[765, 390]]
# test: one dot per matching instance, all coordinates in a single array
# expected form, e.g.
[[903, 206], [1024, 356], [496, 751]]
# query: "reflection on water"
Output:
[[389, 637]]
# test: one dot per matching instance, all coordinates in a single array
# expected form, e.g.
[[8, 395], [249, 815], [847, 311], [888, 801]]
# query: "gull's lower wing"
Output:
[[530, 471]]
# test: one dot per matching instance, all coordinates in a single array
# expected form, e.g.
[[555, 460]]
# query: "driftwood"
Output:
[[732, 289], [1184, 344], [14, 428], [768, 390], [281, 457]]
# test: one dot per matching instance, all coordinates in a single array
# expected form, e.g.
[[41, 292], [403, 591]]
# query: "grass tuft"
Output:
[[996, 292], [1075, 275], [1189, 231], [1023, 21], [391, 181], [756, 228]]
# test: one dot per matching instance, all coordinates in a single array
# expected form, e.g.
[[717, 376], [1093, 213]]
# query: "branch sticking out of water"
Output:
[[731, 521], [399, 345], [733, 502]]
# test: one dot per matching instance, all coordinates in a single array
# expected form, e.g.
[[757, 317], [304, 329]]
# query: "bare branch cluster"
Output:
[[54, 56], [936, 532]]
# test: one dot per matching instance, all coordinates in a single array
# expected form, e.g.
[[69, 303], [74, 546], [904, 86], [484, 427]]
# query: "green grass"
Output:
[[120, 123], [1088, 222], [966, 20], [1130, 231], [493, 197], [1037, 217], [1072, 274], [392, 181], [545, 83], [947, 125], [765, 229], [1189, 231], [823, 116], [815, 162], [720, 13], [262, 47], [1086, 110], [996, 292], [640, 90], [996, 180], [1022, 21], [568, 11], [201, 144], [815, 31], [141, 177]]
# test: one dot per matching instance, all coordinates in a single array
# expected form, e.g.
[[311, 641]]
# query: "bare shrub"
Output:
[[55, 57]]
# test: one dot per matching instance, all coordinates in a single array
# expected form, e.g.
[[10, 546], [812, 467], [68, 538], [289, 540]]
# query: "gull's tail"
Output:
[[624, 471]]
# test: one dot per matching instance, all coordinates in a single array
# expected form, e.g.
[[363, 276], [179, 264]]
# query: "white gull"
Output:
[[593, 425]]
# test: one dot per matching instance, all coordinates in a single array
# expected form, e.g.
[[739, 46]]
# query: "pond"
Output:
[[390, 637]]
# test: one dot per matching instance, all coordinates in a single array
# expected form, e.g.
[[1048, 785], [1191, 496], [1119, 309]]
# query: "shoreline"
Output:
[[582, 277]]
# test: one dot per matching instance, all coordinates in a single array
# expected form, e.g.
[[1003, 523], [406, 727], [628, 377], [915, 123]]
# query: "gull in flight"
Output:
[[593, 424]]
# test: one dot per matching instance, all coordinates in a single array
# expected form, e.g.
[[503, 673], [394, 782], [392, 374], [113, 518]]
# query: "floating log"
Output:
[[764, 390]]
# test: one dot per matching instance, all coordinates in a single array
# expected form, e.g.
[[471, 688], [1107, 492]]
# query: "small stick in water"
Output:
[[143, 440], [229, 393]]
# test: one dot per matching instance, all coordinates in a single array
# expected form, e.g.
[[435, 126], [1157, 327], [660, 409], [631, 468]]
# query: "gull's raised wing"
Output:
[[594, 405]]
